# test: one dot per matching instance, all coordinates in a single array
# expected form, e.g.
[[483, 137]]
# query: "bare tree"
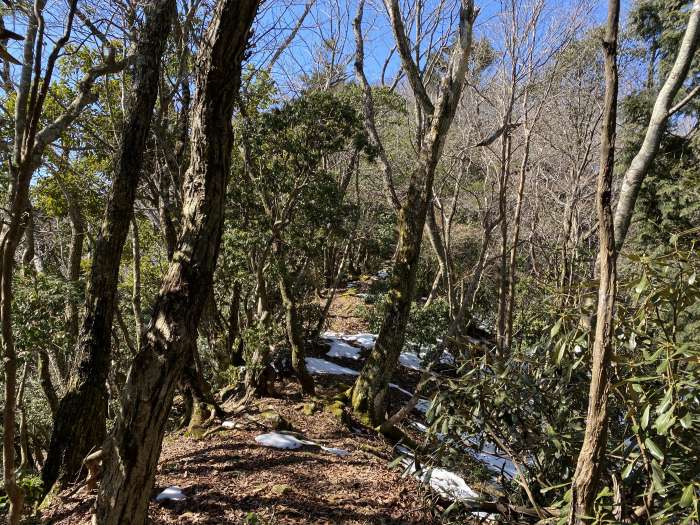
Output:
[[369, 391]]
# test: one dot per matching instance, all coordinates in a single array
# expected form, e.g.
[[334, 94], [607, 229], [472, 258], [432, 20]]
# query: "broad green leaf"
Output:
[[556, 328], [664, 422], [642, 285], [645, 417], [687, 496], [654, 449]]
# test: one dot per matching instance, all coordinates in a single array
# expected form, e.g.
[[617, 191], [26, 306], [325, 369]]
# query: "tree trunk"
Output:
[[46, 382], [444, 271], [77, 239], [590, 460], [132, 451], [512, 260], [371, 387], [503, 274], [296, 341], [80, 423], [657, 125], [136, 291], [233, 328]]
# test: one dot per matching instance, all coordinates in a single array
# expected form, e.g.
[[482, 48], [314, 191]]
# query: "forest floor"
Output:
[[226, 476]]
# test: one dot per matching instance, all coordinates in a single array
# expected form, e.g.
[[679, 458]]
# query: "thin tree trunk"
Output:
[[510, 303], [132, 450], [294, 336], [25, 456], [233, 326], [503, 274], [590, 460], [657, 125], [436, 241], [75, 256], [80, 425]]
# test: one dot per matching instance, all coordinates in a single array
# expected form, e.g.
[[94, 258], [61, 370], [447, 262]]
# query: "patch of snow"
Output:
[[402, 390], [365, 340], [336, 451], [447, 358], [420, 427], [228, 424], [340, 348], [279, 440], [316, 365], [448, 484], [490, 457], [423, 405], [410, 360], [290, 442], [173, 493]]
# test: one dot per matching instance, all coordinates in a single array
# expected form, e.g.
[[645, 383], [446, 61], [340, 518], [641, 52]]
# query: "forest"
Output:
[[366, 261]]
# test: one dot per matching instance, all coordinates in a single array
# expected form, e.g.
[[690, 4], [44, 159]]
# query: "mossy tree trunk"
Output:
[[293, 329], [80, 423], [370, 389], [132, 450]]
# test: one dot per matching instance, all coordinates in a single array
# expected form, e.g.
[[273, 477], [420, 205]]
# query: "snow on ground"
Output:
[[290, 442], [448, 484], [316, 365], [487, 454], [410, 360], [340, 348], [346, 346], [278, 440], [423, 405], [365, 340], [336, 451], [171, 493]]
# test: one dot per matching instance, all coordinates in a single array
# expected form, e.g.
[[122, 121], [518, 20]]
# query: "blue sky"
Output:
[[325, 17]]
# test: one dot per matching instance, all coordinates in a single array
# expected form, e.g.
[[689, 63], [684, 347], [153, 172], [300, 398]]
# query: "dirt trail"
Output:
[[227, 477]]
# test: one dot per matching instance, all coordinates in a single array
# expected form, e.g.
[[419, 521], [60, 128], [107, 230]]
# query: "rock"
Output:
[[280, 489], [273, 420], [310, 408], [337, 408]]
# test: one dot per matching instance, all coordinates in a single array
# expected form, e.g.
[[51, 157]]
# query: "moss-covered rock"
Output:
[[273, 420], [280, 489]]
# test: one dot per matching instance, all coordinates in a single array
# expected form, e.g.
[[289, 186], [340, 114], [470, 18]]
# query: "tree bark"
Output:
[[634, 176], [132, 450], [370, 389], [46, 382], [296, 341], [136, 291], [80, 425], [590, 460]]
